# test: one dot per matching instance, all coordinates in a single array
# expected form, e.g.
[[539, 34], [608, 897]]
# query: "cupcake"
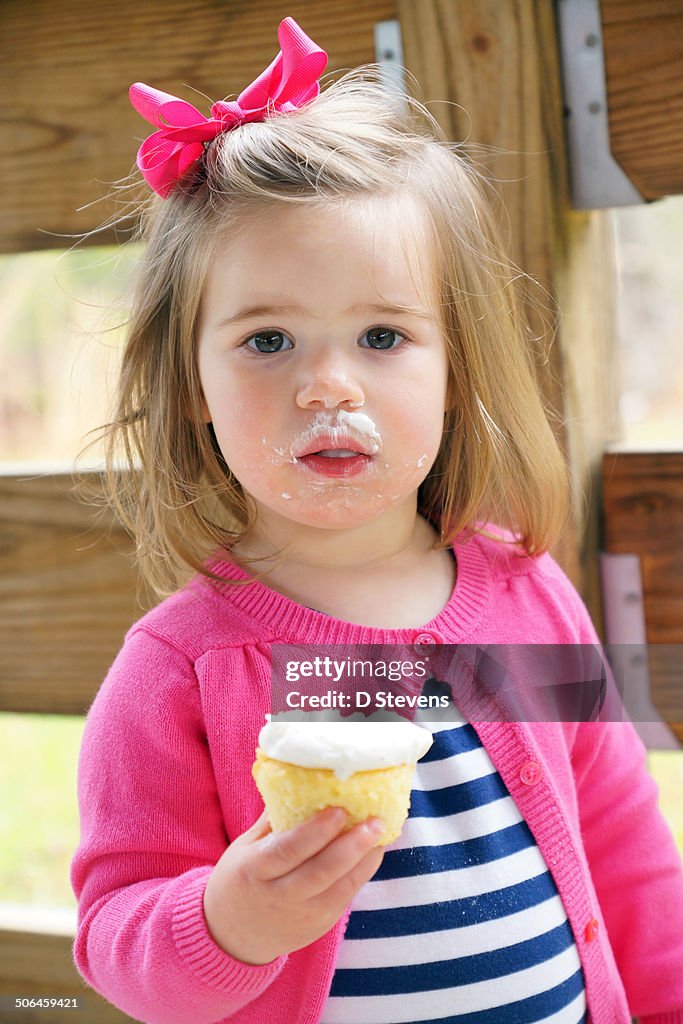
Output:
[[365, 767]]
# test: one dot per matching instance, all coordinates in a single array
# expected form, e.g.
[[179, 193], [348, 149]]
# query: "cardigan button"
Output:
[[531, 773], [592, 929], [424, 643]]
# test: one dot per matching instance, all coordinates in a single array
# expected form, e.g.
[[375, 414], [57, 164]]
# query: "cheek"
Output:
[[237, 431], [421, 405], [234, 412], [250, 448]]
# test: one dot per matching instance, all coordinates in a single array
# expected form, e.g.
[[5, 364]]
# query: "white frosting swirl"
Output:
[[345, 747]]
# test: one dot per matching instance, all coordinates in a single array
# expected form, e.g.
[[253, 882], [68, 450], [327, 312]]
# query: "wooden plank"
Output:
[[587, 340], [65, 69], [643, 42], [643, 501], [492, 70], [67, 594], [643, 515], [37, 964]]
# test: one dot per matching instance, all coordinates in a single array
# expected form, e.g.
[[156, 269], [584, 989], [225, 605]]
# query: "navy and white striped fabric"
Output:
[[462, 924]]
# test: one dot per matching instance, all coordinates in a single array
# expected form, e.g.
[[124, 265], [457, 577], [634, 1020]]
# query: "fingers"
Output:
[[341, 892], [260, 828], [283, 852], [334, 862], [275, 892]]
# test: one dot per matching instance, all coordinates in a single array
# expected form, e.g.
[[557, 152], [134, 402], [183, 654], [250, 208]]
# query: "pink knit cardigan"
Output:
[[165, 783]]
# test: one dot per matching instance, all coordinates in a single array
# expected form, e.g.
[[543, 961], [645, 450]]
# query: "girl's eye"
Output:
[[269, 341], [380, 338]]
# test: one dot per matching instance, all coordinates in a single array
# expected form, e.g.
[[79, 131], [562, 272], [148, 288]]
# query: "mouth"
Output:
[[335, 453], [341, 448], [334, 443], [335, 462], [335, 456]]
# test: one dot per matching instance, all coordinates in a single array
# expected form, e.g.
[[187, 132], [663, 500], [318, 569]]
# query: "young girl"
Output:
[[330, 416]]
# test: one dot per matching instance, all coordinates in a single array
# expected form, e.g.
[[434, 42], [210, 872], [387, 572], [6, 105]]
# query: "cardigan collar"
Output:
[[294, 623]]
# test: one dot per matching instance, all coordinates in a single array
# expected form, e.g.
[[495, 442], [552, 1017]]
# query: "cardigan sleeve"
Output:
[[635, 866], [151, 832]]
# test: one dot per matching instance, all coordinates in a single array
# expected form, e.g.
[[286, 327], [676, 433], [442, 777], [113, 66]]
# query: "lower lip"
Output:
[[348, 466]]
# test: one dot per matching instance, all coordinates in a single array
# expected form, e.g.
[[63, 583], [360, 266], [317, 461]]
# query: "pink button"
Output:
[[592, 929], [424, 643], [531, 773], [424, 638]]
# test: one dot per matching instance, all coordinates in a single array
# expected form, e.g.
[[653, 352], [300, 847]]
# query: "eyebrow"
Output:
[[255, 312]]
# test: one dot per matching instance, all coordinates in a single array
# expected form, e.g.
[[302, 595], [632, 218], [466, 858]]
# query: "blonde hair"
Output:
[[498, 462]]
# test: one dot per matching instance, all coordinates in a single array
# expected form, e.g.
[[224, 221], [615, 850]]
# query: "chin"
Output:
[[338, 513]]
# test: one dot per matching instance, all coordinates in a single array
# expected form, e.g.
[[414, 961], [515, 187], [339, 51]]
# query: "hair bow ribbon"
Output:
[[287, 83]]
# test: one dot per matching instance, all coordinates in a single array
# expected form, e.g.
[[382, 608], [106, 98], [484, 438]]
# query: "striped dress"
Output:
[[462, 924]]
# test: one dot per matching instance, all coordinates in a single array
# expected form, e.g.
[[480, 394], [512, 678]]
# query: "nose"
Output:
[[328, 384]]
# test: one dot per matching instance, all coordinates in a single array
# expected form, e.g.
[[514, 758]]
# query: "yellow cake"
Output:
[[365, 767]]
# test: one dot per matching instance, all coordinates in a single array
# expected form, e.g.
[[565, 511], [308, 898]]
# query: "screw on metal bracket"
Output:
[[597, 180], [389, 55]]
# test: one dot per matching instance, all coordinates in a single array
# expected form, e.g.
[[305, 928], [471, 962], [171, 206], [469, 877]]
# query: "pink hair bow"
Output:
[[286, 84]]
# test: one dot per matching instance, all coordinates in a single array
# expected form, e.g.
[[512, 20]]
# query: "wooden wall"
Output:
[[488, 69], [68, 591], [71, 132]]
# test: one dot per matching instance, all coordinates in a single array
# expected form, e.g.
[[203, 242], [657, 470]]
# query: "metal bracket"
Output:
[[625, 635], [597, 180], [389, 55]]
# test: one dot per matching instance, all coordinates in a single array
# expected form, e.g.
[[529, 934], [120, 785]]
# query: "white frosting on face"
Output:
[[343, 425], [361, 423], [345, 747]]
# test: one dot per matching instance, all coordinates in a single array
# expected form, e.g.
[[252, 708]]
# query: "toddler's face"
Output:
[[327, 401]]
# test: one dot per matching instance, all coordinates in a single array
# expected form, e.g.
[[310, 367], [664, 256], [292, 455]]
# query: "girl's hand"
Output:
[[272, 893]]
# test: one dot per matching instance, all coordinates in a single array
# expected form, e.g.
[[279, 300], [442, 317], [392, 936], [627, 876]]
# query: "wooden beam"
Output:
[[585, 288], [65, 69], [67, 594], [492, 71], [643, 501], [643, 44], [643, 515], [36, 961]]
